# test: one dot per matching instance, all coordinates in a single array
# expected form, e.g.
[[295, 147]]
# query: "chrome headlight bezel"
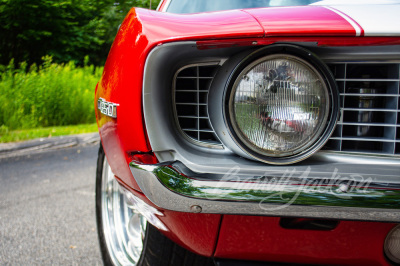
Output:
[[319, 68]]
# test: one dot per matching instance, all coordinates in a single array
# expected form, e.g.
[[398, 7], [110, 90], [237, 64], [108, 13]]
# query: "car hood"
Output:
[[356, 2], [375, 18], [361, 20], [314, 20]]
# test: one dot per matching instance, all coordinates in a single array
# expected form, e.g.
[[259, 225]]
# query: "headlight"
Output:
[[279, 107], [392, 245]]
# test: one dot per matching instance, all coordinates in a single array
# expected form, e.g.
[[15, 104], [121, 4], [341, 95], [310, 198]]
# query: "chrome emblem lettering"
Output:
[[107, 108]]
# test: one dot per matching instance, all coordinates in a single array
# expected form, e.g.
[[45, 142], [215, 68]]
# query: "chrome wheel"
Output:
[[123, 226]]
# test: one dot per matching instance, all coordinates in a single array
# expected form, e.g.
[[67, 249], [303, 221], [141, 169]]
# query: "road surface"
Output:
[[47, 208]]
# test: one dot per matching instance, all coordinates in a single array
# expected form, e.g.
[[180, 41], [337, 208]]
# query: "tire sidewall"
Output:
[[99, 221]]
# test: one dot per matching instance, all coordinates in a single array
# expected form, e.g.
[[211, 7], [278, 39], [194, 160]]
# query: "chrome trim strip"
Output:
[[173, 186]]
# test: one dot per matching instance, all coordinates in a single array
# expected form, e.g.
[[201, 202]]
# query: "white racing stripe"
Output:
[[349, 19], [374, 20], [355, 2]]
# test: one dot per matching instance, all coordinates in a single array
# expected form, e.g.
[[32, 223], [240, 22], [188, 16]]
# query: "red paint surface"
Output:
[[121, 83], [115, 154], [302, 21], [262, 238], [195, 232], [167, 27], [345, 15]]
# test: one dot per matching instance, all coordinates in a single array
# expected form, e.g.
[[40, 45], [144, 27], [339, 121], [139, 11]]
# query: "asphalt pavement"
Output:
[[47, 205]]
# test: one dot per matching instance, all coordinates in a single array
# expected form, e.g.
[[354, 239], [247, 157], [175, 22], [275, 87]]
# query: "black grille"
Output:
[[369, 99], [192, 84]]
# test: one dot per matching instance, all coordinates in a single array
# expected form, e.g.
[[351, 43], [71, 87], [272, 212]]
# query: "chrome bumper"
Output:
[[173, 186]]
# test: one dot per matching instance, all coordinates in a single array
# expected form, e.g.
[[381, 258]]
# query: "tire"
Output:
[[139, 243]]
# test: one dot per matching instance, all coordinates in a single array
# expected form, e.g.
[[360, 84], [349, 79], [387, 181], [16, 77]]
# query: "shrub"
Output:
[[47, 95]]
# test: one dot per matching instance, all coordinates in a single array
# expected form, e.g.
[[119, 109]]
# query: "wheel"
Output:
[[125, 236]]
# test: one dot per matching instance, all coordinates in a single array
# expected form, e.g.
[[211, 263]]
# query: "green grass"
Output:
[[47, 95], [44, 132]]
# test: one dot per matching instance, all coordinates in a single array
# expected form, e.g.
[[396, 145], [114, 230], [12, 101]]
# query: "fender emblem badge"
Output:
[[107, 108]]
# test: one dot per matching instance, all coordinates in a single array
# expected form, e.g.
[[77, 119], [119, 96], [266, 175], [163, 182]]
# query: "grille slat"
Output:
[[368, 124], [369, 80], [369, 94], [192, 85], [365, 139], [371, 109]]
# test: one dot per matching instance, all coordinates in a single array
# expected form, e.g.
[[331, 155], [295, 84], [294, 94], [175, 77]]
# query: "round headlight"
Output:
[[392, 245], [279, 106]]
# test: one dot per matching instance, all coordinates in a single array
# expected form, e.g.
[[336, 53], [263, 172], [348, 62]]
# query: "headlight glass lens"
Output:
[[279, 105], [392, 245]]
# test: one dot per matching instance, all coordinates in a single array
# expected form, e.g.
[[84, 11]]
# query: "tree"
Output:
[[66, 30]]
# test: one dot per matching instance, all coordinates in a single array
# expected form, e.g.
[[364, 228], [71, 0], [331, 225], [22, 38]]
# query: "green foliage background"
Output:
[[51, 57], [48, 95], [67, 30]]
